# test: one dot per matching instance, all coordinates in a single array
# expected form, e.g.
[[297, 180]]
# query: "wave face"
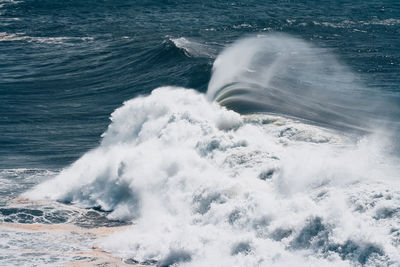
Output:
[[205, 185], [281, 74]]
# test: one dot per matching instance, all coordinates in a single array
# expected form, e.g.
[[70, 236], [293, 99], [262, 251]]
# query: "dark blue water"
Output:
[[66, 65]]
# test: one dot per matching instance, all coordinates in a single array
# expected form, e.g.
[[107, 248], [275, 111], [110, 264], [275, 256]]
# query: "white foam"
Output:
[[195, 49], [6, 37], [207, 186]]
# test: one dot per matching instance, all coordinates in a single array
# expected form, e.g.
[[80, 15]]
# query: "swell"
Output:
[[75, 83]]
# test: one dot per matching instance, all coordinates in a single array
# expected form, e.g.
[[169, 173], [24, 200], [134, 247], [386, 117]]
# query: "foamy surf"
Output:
[[207, 185], [55, 245]]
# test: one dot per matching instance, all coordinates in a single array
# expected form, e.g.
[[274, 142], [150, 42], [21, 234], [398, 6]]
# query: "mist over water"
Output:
[[278, 73]]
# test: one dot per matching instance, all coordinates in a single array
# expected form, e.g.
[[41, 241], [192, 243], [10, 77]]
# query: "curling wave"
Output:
[[281, 74]]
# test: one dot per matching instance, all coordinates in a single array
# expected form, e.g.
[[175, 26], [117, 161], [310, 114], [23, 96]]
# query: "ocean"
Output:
[[217, 133]]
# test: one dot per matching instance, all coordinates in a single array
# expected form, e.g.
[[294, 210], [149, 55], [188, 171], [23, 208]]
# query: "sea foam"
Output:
[[207, 186]]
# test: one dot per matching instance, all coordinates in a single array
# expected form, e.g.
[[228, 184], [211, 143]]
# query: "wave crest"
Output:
[[192, 48], [281, 74]]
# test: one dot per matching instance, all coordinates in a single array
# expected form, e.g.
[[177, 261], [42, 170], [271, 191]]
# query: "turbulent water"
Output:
[[241, 133]]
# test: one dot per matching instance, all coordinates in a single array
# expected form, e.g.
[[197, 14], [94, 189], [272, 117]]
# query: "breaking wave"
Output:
[[285, 75], [207, 185]]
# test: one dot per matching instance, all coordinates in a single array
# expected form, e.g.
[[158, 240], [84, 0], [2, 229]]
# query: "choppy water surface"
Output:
[[241, 133]]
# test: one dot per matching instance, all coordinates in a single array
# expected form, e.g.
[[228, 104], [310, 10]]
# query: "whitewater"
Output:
[[286, 161]]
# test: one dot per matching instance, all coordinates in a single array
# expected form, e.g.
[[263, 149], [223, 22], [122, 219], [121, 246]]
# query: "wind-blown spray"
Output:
[[280, 74]]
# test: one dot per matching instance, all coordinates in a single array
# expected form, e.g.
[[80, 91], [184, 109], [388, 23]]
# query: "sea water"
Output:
[[241, 133]]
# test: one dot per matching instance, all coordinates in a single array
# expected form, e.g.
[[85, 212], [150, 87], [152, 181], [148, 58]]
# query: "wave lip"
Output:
[[281, 74]]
